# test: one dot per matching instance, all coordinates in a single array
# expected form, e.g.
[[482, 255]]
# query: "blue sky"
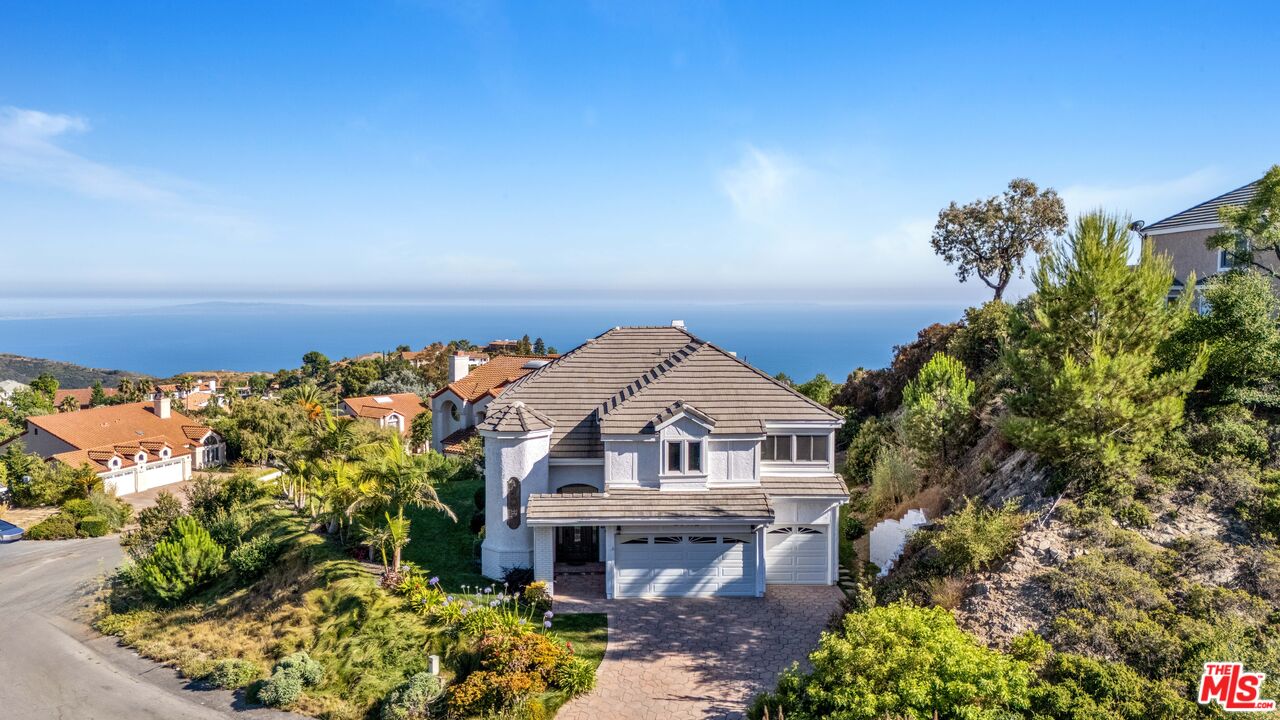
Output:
[[539, 151]]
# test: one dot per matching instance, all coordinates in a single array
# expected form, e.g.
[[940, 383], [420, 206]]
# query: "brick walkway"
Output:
[[697, 659]]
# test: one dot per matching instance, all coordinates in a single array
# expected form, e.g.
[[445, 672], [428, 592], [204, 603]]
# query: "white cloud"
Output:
[[1146, 201], [759, 182], [32, 152]]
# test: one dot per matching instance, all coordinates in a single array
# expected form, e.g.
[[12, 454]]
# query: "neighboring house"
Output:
[[502, 346], [201, 393], [9, 387], [678, 467], [133, 447], [83, 396], [458, 407], [1183, 235], [395, 411]]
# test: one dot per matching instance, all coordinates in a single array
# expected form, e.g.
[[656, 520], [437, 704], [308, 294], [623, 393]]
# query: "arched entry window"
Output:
[[513, 503]]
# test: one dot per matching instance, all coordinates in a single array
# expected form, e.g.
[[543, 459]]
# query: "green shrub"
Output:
[[893, 478], [251, 560], [54, 527], [1230, 432], [309, 671], [1031, 649], [228, 527], [904, 661], [1096, 583], [209, 494], [183, 563], [233, 673], [487, 693], [1262, 510], [574, 675], [536, 594], [78, 507], [280, 690], [94, 526], [414, 699], [154, 524], [864, 449], [976, 537], [1074, 687]]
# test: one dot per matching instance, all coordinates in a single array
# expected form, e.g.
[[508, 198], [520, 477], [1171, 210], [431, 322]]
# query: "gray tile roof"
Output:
[[789, 486], [517, 417], [747, 505], [623, 380], [1206, 213]]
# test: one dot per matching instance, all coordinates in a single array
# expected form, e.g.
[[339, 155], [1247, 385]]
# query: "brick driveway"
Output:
[[697, 659]]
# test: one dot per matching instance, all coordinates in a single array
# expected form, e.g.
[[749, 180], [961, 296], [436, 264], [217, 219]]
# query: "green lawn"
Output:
[[442, 547], [588, 633]]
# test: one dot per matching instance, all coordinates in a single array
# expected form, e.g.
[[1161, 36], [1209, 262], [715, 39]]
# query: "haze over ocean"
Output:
[[800, 340]]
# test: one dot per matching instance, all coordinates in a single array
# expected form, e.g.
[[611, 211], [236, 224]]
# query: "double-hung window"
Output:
[[683, 457]]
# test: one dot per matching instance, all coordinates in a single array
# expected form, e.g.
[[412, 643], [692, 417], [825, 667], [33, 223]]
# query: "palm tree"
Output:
[[402, 479], [329, 437], [397, 537], [309, 397]]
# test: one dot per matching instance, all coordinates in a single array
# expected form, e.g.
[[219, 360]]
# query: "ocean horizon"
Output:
[[799, 339]]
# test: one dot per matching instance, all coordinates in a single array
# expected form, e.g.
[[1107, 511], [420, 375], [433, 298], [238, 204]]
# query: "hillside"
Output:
[[1100, 470], [26, 369]]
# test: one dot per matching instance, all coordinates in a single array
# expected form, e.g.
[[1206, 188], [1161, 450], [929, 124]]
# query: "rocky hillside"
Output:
[[26, 369]]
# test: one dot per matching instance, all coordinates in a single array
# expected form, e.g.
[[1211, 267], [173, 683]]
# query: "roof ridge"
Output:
[[639, 384], [1201, 204]]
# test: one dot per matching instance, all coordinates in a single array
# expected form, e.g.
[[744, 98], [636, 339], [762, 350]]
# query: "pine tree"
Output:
[[1087, 392], [936, 407]]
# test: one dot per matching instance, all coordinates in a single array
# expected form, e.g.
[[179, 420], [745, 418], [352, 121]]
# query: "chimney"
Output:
[[162, 405], [459, 366], [677, 323]]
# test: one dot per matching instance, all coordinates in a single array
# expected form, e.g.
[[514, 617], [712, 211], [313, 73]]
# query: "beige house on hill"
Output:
[[133, 447], [1183, 235]]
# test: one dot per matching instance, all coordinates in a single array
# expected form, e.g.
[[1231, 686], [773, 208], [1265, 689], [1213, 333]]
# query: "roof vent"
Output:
[[518, 404], [677, 323]]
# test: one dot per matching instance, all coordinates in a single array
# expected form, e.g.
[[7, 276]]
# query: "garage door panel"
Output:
[[681, 566], [797, 555]]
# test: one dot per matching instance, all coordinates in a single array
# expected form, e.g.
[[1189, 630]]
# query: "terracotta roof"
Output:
[[456, 442], [621, 381], [102, 428], [494, 376], [83, 396], [744, 505], [376, 407], [1206, 213], [125, 452]]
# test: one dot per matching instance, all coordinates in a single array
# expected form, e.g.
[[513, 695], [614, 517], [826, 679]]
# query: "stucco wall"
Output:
[[1190, 254], [524, 458], [562, 475], [43, 444]]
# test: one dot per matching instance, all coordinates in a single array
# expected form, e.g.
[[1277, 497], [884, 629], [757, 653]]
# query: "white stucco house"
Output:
[[133, 447], [680, 469], [395, 411], [458, 407]]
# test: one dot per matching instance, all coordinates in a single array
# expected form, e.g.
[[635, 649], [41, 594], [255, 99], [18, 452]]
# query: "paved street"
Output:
[[698, 659], [52, 666]]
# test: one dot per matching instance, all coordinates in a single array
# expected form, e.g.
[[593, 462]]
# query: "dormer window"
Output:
[[684, 457]]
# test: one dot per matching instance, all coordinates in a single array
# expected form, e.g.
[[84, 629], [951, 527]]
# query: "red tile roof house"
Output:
[[395, 411], [458, 407], [133, 447], [681, 469], [83, 396]]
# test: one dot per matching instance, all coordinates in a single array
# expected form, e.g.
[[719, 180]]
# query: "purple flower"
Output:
[[548, 615], [434, 581], [546, 624]]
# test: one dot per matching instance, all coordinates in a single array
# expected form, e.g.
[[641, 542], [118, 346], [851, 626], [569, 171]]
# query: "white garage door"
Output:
[[160, 474], [796, 555], [684, 565]]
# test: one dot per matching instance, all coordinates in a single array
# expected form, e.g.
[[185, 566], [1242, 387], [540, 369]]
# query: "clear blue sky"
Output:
[[410, 150]]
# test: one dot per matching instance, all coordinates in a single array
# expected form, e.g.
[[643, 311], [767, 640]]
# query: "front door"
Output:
[[577, 545]]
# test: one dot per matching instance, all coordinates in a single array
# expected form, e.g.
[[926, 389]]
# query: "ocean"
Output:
[[798, 339]]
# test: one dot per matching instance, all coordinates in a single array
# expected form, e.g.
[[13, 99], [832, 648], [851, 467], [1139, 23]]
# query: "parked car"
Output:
[[10, 532]]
